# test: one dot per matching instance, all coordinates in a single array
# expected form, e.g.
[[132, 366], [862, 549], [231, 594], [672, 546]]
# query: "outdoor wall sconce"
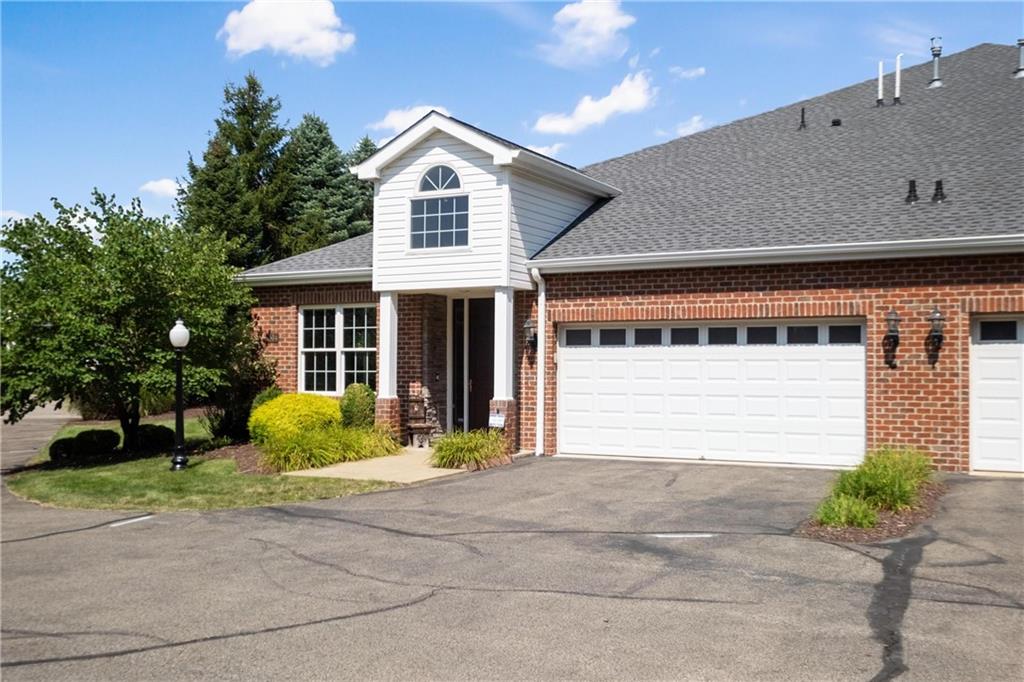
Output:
[[273, 337], [891, 340], [935, 336], [530, 332]]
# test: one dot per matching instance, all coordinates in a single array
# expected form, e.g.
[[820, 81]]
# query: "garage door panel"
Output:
[[997, 398], [800, 404]]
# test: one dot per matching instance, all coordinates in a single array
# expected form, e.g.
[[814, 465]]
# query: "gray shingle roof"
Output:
[[352, 254], [761, 182]]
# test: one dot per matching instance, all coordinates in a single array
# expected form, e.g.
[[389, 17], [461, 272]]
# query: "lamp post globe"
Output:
[[179, 336]]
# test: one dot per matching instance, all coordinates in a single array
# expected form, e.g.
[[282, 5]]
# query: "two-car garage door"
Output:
[[759, 391]]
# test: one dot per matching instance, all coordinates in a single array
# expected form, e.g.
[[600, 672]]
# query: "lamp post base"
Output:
[[179, 461]]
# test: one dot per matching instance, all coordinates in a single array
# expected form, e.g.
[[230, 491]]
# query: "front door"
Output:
[[480, 379]]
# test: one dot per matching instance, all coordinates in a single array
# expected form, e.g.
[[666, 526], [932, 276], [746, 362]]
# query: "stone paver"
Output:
[[412, 466]]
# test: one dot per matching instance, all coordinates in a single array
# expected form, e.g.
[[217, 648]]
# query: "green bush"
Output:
[[320, 447], [155, 437], [471, 449], [358, 406], [845, 511], [62, 450], [85, 446], [266, 395], [288, 415], [888, 478]]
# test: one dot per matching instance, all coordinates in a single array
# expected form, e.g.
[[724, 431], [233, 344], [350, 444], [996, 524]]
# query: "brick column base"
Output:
[[508, 408], [388, 413]]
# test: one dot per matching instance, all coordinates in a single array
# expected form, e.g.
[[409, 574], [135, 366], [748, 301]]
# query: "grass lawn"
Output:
[[149, 485]]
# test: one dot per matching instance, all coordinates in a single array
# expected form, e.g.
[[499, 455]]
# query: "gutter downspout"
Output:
[[538, 448]]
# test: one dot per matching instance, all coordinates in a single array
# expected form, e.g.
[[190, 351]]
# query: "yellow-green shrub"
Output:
[[888, 478], [320, 447], [287, 416], [470, 449], [846, 511]]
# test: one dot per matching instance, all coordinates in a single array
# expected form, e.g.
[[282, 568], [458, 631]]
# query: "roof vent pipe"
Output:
[[896, 95], [1019, 73], [936, 82], [912, 193], [803, 120], [881, 81], [939, 196]]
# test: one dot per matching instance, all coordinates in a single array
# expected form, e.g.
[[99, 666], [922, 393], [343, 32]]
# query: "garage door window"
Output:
[[762, 335], [577, 337], [802, 334], [998, 330], [613, 337], [647, 337], [844, 333], [685, 336], [722, 336]]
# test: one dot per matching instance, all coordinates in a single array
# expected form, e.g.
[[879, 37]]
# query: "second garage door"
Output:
[[755, 391]]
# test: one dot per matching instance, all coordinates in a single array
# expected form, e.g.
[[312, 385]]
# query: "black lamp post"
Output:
[[179, 339]]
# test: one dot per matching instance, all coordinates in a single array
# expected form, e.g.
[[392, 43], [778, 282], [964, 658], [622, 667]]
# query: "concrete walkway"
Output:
[[22, 441], [412, 466]]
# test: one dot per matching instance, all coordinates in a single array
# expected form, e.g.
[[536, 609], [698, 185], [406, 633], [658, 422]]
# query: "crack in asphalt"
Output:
[[892, 597], [36, 634], [71, 530], [215, 638], [448, 587]]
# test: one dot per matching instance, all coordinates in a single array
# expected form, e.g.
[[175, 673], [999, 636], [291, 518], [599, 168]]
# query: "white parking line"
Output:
[[673, 536], [127, 521]]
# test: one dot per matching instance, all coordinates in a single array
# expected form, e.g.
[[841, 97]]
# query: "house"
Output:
[[795, 287]]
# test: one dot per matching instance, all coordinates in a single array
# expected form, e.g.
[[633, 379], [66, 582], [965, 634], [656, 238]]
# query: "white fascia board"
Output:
[[371, 168], [552, 170], [306, 277], [914, 248]]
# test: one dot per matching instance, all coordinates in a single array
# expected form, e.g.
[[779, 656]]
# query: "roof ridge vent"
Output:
[[936, 82], [1019, 73]]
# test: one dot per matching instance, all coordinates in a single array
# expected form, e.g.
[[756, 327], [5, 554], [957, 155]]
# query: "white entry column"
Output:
[[503, 342], [387, 349]]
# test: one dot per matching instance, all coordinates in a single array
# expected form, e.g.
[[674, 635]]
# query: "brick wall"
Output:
[[915, 403]]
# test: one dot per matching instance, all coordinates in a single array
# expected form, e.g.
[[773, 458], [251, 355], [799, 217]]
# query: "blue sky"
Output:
[[116, 95]]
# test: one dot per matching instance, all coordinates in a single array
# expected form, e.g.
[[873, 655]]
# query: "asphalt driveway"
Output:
[[545, 569]]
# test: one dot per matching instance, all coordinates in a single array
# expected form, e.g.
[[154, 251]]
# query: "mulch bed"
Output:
[[246, 455], [890, 524]]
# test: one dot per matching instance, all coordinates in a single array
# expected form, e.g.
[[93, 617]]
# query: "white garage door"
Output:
[[756, 392], [997, 395]]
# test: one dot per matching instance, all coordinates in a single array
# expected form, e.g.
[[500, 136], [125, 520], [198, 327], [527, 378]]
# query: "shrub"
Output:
[[155, 437], [62, 450], [320, 447], [95, 442], [286, 416], [471, 449], [845, 511], [247, 375], [154, 402], [266, 395], [358, 406], [888, 478]]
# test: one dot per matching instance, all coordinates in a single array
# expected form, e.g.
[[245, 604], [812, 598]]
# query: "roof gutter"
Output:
[[914, 248], [550, 169], [267, 279]]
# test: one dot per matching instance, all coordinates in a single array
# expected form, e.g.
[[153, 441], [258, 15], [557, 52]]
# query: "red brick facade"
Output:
[[914, 403]]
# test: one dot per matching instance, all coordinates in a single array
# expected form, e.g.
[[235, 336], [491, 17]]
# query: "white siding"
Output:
[[484, 263], [540, 210]]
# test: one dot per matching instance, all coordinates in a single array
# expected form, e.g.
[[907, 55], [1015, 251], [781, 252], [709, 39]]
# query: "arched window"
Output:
[[439, 178]]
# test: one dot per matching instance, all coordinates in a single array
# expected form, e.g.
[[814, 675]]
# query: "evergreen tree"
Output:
[[238, 190], [317, 207], [359, 193]]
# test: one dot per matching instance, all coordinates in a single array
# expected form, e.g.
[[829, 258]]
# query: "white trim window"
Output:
[[328, 360], [438, 222]]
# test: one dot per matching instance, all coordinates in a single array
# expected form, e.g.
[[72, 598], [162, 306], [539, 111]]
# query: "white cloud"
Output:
[[654, 53], [164, 187], [904, 36], [634, 93], [8, 214], [397, 120], [694, 124], [547, 149], [304, 29], [687, 74], [588, 32], [634, 61]]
